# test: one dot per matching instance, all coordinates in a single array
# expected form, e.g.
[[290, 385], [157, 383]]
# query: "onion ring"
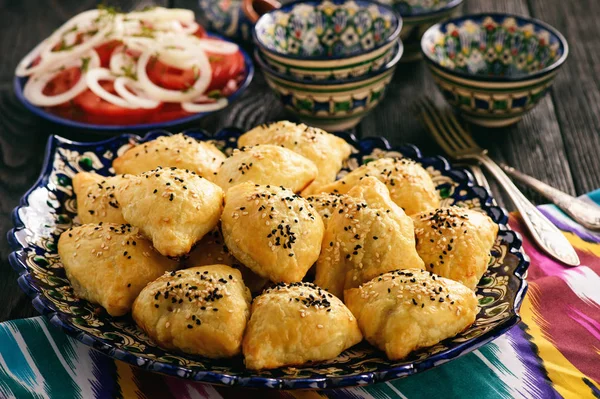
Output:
[[197, 108], [34, 88], [166, 95], [133, 98], [94, 76]]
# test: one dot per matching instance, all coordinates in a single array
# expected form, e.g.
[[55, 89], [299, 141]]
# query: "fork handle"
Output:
[[546, 234], [585, 214]]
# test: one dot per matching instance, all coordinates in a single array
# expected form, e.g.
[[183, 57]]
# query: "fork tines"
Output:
[[446, 129]]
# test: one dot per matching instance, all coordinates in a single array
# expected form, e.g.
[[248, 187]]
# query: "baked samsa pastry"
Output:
[[173, 207], [368, 235], [296, 323], [271, 230], [96, 201], [201, 311], [266, 164], [328, 152], [410, 186], [109, 264], [178, 150], [455, 243], [212, 250], [326, 205], [405, 310]]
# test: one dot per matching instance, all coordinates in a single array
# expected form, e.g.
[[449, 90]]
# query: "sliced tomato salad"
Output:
[[88, 107]]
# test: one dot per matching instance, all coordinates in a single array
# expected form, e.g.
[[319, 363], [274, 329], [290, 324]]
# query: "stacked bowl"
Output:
[[329, 62]]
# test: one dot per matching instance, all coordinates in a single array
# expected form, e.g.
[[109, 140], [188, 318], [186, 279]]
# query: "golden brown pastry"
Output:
[[271, 230], [327, 151], [296, 323], [96, 201], [410, 186], [178, 150], [409, 309], [173, 207], [266, 164], [201, 311], [212, 250], [368, 235], [109, 264], [455, 243], [326, 205]]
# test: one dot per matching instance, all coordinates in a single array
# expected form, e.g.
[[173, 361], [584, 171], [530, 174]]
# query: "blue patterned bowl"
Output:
[[225, 17], [328, 40], [494, 67], [49, 208], [332, 105]]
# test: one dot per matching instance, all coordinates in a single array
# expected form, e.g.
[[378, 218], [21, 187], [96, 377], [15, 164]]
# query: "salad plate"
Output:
[[49, 208], [19, 84]]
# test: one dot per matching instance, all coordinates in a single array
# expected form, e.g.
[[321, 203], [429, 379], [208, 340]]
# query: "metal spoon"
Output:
[[585, 214]]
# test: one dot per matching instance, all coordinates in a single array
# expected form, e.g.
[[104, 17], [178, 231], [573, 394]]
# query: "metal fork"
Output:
[[460, 145]]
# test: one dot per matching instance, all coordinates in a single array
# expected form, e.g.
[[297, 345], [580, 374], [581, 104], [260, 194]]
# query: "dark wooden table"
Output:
[[558, 142]]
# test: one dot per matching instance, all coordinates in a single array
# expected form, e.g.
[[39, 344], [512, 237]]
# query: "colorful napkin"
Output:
[[554, 352]]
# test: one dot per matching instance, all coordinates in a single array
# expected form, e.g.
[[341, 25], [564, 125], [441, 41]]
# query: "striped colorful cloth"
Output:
[[554, 352]]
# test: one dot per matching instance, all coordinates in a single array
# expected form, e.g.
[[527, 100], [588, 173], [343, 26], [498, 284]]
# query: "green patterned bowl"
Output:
[[328, 40], [494, 67], [335, 105], [417, 17]]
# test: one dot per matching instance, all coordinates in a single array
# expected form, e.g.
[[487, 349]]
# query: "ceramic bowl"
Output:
[[225, 17], [494, 67], [328, 40], [417, 17], [334, 105]]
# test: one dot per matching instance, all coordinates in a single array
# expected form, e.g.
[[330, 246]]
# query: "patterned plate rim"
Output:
[[220, 378]]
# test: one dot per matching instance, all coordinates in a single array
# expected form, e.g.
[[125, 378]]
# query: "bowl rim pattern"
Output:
[[19, 84], [331, 82], [300, 58], [497, 79], [429, 13], [514, 246]]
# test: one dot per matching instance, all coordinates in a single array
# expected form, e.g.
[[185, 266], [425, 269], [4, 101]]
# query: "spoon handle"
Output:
[[587, 215]]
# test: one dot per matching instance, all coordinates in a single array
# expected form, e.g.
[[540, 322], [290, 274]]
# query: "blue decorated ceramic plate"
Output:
[[19, 85], [50, 208]]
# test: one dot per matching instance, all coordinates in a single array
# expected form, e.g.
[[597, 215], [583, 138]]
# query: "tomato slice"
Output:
[[62, 82], [103, 112], [224, 66], [105, 51], [167, 112], [200, 32]]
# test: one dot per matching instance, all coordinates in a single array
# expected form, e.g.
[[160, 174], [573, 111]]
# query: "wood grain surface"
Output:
[[558, 142]]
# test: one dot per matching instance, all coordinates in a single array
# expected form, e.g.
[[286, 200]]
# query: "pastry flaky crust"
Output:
[[328, 152], [178, 151], [368, 234], [271, 230], [96, 201], [455, 243], [109, 264], [410, 186], [404, 310], [266, 164], [212, 250], [173, 207], [201, 311], [326, 205], [296, 323]]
